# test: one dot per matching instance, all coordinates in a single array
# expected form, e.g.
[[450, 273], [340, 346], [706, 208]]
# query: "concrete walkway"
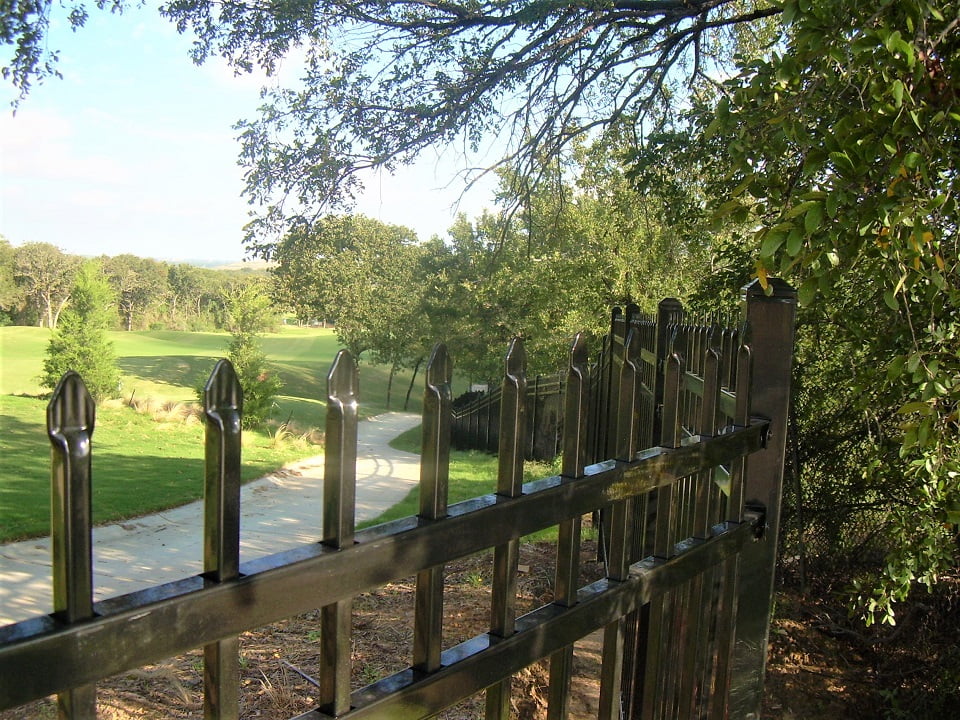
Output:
[[277, 512]]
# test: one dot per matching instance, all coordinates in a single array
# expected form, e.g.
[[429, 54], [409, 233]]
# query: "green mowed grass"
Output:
[[168, 365], [139, 465]]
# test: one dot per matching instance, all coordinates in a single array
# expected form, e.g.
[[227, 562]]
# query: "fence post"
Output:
[[770, 321], [71, 416], [434, 476], [339, 517], [513, 412], [223, 407]]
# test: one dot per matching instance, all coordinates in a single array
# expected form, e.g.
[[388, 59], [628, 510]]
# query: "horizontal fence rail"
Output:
[[682, 514]]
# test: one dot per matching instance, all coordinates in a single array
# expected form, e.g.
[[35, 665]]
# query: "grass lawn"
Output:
[[472, 474], [168, 365], [139, 465], [162, 460]]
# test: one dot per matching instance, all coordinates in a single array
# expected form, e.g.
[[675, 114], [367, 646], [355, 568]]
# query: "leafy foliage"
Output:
[[139, 284], [382, 81], [45, 275], [249, 314], [840, 148]]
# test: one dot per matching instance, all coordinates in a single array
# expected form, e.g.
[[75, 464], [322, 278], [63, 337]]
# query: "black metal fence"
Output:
[[684, 608]]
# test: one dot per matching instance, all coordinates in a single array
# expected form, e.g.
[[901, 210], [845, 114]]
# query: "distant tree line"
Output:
[[37, 281]]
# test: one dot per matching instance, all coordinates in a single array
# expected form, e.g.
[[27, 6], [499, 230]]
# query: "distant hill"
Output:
[[250, 266]]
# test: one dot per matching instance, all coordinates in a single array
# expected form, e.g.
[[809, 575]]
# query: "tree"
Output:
[[364, 274], [249, 314], [80, 342], [140, 283], [382, 81], [11, 295], [45, 275], [840, 148]]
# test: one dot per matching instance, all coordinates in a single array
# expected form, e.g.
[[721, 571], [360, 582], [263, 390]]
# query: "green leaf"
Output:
[[813, 218], [890, 299], [794, 244], [915, 407], [896, 367], [800, 208], [897, 91], [807, 292], [789, 12], [726, 209], [771, 243]]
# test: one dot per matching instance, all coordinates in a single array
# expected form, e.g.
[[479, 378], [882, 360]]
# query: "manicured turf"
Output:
[[139, 464], [170, 365]]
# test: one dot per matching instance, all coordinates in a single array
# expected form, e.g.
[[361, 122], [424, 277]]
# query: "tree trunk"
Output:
[[60, 307], [48, 302], [416, 368], [393, 371]]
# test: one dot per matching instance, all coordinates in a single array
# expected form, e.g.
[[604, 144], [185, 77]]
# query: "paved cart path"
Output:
[[277, 512]]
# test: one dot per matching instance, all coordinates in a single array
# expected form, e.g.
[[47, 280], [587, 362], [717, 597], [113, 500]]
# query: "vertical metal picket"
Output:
[[655, 345], [339, 518], [506, 557], [614, 635], [729, 571], [223, 407], [434, 480], [656, 678], [693, 685], [576, 409], [71, 416]]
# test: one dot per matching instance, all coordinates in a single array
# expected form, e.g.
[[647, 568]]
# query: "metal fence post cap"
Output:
[[343, 378], [579, 355], [778, 289], [222, 390], [515, 361], [439, 366], [71, 407]]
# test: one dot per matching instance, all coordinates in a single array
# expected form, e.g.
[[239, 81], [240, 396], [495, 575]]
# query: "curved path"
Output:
[[277, 512]]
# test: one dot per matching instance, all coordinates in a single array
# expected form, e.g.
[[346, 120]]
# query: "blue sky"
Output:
[[133, 151]]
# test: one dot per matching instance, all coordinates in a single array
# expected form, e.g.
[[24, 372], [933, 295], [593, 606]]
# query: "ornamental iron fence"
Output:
[[678, 439]]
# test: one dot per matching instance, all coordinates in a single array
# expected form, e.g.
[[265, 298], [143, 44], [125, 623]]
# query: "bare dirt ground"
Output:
[[822, 664], [279, 661], [825, 664]]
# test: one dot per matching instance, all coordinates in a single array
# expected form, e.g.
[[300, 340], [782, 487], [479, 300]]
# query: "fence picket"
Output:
[[434, 480], [513, 433], [576, 415], [693, 679], [627, 436], [71, 416], [223, 407], [339, 513]]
